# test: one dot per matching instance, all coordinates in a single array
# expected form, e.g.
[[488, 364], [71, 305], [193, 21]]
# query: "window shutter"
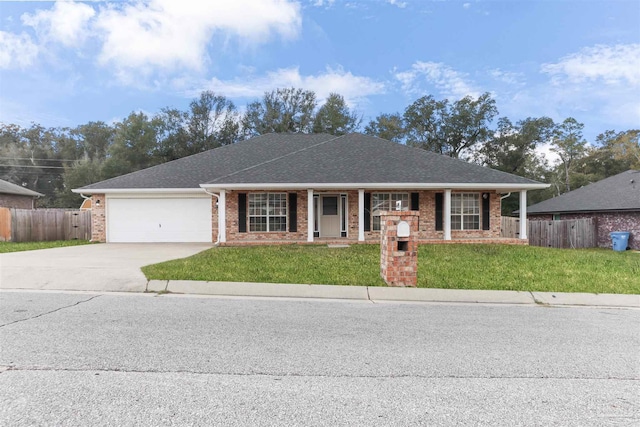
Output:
[[242, 212], [486, 211], [415, 201], [367, 211], [439, 204], [293, 212]]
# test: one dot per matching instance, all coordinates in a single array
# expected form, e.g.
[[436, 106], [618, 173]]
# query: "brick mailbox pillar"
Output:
[[399, 248]]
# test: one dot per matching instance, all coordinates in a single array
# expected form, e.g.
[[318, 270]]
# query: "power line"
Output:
[[46, 160], [31, 166]]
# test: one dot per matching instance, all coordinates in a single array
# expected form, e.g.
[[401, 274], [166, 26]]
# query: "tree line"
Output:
[[55, 160]]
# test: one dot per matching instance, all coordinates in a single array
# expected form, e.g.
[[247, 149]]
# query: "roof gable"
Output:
[[618, 192]]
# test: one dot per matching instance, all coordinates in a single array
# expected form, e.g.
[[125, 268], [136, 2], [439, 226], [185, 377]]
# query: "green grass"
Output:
[[522, 268], [31, 246]]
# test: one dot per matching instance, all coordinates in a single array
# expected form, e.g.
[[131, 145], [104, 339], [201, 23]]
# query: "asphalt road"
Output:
[[107, 359]]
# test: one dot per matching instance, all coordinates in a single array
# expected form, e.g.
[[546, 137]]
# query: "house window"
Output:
[[556, 217], [387, 202], [268, 212], [465, 211]]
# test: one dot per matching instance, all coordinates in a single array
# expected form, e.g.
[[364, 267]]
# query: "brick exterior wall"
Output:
[[606, 223], [426, 221], [16, 201], [98, 223], [234, 235], [398, 267], [427, 218]]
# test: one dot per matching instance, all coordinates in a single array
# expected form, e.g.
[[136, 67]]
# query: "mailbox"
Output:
[[403, 229]]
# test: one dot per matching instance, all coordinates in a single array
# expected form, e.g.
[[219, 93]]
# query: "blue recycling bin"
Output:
[[620, 240]]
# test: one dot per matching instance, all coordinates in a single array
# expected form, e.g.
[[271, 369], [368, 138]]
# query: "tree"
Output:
[[624, 146], [212, 121], [280, 111], [29, 159], [449, 128], [512, 147], [135, 145], [569, 145], [173, 135], [95, 138], [426, 124], [82, 172], [335, 117], [387, 126]]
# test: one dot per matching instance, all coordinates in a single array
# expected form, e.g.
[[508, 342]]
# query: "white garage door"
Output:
[[159, 220]]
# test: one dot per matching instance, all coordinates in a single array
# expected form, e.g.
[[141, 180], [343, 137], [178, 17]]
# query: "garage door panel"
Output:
[[159, 220]]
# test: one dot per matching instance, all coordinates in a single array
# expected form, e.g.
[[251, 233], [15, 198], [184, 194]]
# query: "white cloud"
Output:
[[400, 4], [449, 82], [466, 5], [321, 3], [612, 65], [16, 51], [169, 34], [352, 87], [66, 23], [508, 77], [600, 79]]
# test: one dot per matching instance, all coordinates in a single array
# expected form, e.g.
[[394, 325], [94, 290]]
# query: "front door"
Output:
[[329, 217]]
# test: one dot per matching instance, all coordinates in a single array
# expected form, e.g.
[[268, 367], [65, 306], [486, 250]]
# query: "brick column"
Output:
[[98, 225], [399, 255]]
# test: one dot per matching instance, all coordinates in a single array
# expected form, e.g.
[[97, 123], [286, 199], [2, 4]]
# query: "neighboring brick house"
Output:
[[296, 188], [15, 196], [614, 202]]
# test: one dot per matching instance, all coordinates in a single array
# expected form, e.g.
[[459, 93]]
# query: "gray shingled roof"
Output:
[[619, 192], [316, 158], [9, 188]]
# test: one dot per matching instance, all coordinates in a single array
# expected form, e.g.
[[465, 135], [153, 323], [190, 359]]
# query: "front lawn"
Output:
[[31, 246], [521, 268]]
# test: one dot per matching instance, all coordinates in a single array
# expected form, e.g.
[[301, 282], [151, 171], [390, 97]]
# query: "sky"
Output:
[[67, 63]]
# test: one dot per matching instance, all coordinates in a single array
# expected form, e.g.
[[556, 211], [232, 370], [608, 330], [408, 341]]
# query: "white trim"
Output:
[[318, 186], [310, 217], [523, 215], [447, 214], [157, 196], [378, 186], [361, 215], [222, 217], [139, 190]]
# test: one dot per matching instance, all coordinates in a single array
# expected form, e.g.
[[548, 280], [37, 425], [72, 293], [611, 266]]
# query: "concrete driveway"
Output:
[[99, 267]]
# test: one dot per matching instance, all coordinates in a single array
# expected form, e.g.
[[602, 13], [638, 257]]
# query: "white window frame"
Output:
[[267, 211], [466, 210], [391, 198]]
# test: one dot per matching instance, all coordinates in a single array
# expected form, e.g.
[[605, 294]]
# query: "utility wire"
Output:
[[32, 166], [47, 160]]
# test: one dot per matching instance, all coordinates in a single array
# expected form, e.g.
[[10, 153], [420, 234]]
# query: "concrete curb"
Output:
[[375, 293]]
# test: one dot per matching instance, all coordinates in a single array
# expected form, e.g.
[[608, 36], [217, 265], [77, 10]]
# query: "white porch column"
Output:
[[447, 215], [310, 215], [523, 214], [222, 217]]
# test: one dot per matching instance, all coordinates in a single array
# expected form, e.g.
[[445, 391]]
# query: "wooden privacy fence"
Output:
[[510, 227], [568, 233], [24, 225]]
